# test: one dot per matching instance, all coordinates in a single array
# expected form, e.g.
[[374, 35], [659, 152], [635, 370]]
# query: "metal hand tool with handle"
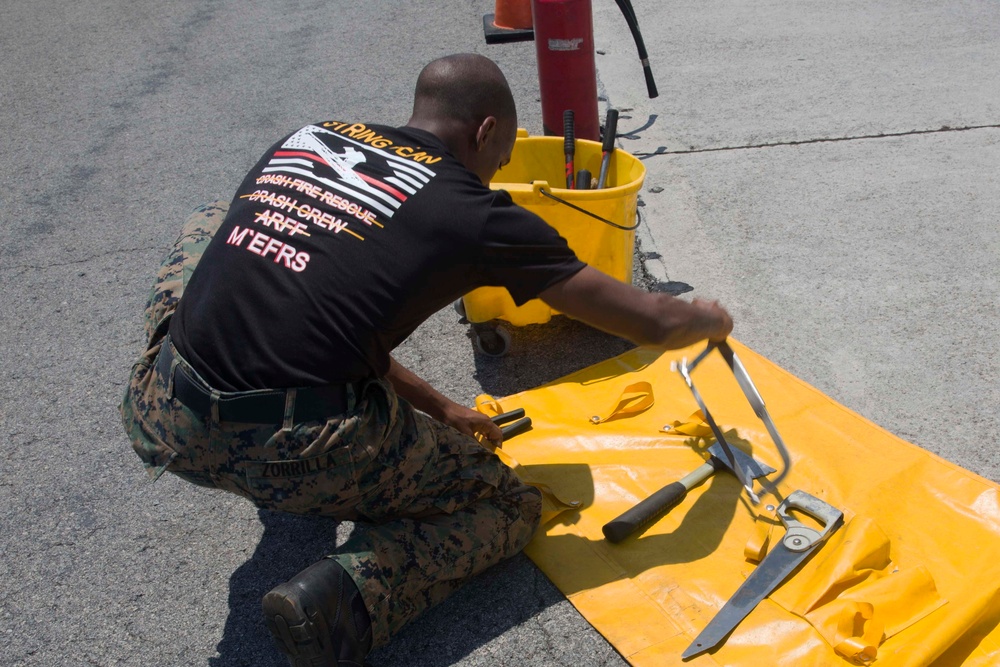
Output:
[[723, 455], [798, 544], [756, 402], [608, 149], [569, 147], [669, 496], [728, 456]]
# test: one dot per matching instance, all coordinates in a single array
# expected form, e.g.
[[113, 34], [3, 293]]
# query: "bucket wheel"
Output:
[[491, 339]]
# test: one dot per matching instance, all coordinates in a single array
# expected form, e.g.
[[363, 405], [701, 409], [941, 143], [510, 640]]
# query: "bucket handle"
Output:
[[592, 215]]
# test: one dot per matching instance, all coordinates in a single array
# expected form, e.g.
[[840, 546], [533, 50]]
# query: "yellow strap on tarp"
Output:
[[861, 633], [911, 578], [634, 399], [760, 539], [695, 426]]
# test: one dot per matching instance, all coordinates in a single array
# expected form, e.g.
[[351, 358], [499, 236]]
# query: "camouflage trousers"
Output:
[[431, 507]]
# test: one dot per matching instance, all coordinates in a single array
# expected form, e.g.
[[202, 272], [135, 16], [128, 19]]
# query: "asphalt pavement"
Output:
[[828, 171]]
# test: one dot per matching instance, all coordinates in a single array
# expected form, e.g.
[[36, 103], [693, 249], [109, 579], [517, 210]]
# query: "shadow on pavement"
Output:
[[289, 544], [481, 611], [541, 353]]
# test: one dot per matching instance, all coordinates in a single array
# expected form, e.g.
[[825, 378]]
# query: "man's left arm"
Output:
[[426, 398]]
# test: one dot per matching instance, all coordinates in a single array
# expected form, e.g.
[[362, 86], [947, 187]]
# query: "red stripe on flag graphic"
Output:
[[368, 179]]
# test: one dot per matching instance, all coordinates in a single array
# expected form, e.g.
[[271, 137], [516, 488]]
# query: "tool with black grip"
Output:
[[757, 403], [672, 494], [569, 146], [728, 456], [610, 130], [520, 426], [723, 455]]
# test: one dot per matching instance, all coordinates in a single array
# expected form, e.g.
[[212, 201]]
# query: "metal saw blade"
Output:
[[773, 570], [799, 542]]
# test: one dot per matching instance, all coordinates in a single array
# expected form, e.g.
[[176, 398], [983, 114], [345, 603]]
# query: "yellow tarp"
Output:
[[910, 579]]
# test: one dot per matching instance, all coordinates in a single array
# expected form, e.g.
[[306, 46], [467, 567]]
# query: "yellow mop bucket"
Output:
[[599, 224]]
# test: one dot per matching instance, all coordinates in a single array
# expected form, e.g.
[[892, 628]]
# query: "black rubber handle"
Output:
[[610, 130], [508, 416], [645, 512], [520, 426], [569, 146], [569, 132], [583, 179]]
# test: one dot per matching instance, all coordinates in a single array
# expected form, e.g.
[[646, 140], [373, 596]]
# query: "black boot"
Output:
[[318, 618]]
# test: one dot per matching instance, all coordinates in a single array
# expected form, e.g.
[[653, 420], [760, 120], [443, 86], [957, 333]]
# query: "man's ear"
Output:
[[485, 132]]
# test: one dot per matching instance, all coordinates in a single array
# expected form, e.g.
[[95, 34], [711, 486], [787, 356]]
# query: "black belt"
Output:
[[256, 407]]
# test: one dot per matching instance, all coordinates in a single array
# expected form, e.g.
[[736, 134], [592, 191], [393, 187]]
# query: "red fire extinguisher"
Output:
[[567, 72]]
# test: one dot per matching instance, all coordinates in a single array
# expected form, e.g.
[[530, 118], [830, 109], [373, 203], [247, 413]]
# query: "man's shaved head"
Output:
[[466, 88], [465, 101]]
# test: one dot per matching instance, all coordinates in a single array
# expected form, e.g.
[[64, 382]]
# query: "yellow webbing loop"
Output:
[[635, 398]]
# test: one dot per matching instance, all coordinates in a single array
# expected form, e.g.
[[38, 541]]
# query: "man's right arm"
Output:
[[645, 318]]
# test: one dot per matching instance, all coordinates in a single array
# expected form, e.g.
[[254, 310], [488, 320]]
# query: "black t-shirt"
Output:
[[339, 243]]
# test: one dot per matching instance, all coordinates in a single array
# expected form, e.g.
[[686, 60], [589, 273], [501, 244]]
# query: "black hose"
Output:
[[633, 26]]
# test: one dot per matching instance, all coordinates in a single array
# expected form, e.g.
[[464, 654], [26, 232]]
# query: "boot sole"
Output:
[[300, 630]]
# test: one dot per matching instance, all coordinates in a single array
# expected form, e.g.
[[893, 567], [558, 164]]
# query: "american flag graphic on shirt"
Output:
[[302, 152]]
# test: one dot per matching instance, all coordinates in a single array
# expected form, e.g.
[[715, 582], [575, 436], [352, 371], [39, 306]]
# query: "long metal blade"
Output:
[[727, 450], [773, 570], [798, 543]]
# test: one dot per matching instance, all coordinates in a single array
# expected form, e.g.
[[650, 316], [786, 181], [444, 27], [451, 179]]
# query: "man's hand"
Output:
[[472, 422], [427, 399], [714, 312], [645, 318]]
